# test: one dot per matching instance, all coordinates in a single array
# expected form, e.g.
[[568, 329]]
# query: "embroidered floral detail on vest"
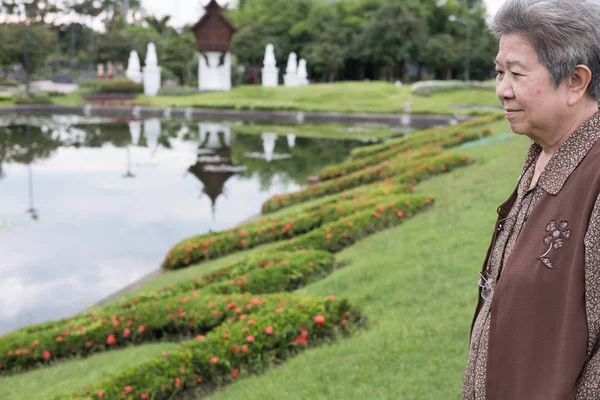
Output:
[[555, 239]]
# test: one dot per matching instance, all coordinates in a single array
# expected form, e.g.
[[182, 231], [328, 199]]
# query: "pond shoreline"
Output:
[[190, 113]]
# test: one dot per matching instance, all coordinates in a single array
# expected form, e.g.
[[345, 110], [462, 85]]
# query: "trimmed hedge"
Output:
[[168, 314], [120, 86], [206, 247], [338, 235], [397, 167], [367, 151], [445, 141], [278, 328], [247, 274]]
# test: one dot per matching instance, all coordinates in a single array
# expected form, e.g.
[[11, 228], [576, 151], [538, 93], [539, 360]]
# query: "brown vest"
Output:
[[538, 331]]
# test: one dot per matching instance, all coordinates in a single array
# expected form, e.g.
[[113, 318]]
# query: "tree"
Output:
[[442, 55], [12, 38], [394, 37]]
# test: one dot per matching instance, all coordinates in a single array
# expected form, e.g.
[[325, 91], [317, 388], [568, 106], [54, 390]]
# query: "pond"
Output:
[[89, 206]]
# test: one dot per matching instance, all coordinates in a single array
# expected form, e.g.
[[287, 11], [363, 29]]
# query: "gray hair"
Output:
[[564, 33]]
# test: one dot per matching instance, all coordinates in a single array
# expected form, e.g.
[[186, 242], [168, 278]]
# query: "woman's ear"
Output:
[[578, 84]]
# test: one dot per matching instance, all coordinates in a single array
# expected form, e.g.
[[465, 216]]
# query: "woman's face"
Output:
[[533, 107]]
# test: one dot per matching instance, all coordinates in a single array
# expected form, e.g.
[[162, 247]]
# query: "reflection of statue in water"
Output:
[[214, 166], [31, 210]]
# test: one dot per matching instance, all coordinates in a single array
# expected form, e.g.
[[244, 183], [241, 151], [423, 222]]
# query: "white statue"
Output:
[[134, 70], [290, 78], [270, 72], [151, 58], [151, 72], [152, 130], [302, 73], [212, 74]]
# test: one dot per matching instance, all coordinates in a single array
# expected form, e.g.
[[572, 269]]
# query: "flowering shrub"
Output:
[[276, 328], [206, 247], [169, 313], [397, 167], [338, 235], [452, 139], [367, 151]]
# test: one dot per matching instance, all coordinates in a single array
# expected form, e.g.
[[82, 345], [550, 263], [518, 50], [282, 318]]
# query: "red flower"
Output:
[[126, 332], [100, 393], [200, 337], [177, 382], [141, 329], [234, 373], [144, 395], [214, 360], [127, 389], [269, 330], [89, 344], [279, 310], [255, 301], [250, 339], [319, 320], [197, 379], [235, 348], [46, 355], [110, 340], [331, 297], [251, 321], [245, 348], [400, 214], [35, 343], [59, 339]]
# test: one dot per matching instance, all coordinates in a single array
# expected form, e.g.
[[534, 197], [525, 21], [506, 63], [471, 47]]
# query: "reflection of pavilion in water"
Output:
[[214, 166]]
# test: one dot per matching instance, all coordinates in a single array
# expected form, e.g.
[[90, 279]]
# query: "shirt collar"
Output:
[[568, 157]]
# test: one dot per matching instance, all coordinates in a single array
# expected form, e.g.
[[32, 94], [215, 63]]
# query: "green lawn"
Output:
[[347, 97], [69, 376], [416, 283]]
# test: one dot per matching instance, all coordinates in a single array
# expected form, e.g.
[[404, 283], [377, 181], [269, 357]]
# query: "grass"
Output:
[[69, 376], [416, 283], [345, 97]]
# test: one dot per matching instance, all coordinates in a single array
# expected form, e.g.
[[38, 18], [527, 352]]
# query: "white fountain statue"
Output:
[[290, 78], [270, 72], [302, 73], [151, 72], [134, 70], [269, 145]]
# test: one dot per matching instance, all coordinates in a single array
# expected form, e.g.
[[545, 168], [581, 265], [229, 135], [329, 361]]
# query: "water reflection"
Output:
[[88, 206]]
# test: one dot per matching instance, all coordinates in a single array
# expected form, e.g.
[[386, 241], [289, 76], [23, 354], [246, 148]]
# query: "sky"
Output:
[[189, 11]]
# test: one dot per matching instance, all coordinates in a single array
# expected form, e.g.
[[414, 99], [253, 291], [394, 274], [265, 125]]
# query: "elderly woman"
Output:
[[536, 330]]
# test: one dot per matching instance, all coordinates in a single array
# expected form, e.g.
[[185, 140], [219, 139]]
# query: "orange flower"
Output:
[[235, 348], [250, 339], [59, 339], [141, 329], [255, 301], [127, 389], [177, 382], [197, 379], [269, 330], [214, 360], [319, 320], [110, 340], [100, 393], [234, 373], [279, 310], [251, 321], [400, 214], [144, 395], [331, 297], [245, 348], [126, 332], [46, 355], [200, 337]]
